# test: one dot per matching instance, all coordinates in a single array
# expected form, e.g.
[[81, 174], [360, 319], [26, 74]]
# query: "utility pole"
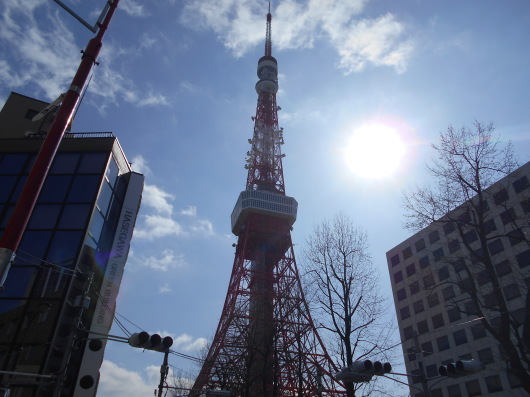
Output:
[[416, 347], [164, 368]]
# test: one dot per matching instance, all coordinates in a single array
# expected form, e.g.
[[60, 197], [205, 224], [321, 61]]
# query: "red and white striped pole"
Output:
[[19, 219]]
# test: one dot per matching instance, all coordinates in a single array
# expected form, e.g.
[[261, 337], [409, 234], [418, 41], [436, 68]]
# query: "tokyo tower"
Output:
[[266, 344]]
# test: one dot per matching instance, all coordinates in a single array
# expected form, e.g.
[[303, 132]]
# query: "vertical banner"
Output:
[[102, 321]]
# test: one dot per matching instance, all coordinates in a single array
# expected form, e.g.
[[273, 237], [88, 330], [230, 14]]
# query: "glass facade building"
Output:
[[63, 283]]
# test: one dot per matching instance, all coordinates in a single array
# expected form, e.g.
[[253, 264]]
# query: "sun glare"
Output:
[[375, 151]]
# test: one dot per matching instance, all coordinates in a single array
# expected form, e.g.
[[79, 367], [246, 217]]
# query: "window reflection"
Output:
[[7, 183], [55, 188], [84, 188], [63, 248], [19, 281], [74, 216], [93, 163], [104, 198], [65, 163], [12, 163], [44, 216], [112, 172]]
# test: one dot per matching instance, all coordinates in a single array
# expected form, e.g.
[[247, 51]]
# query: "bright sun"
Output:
[[375, 151]]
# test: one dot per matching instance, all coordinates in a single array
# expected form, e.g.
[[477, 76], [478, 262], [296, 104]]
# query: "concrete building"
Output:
[[432, 274], [62, 287]]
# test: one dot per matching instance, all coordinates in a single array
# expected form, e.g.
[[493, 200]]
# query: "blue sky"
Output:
[[176, 85]]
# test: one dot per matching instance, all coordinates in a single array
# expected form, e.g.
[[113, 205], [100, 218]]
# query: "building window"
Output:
[[438, 254], [495, 247], [398, 277], [449, 227], [31, 113], [454, 391], [414, 288], [489, 226], [428, 280], [470, 236], [511, 292], [508, 216], [460, 337], [424, 262], [407, 253], [523, 259], [483, 277], [520, 184], [434, 236], [418, 306], [490, 300], [437, 393], [394, 260], [443, 273], [453, 246], [405, 312], [431, 370], [411, 269], [401, 294], [516, 236], [478, 331], [503, 268], [420, 244], [470, 308], [459, 264], [426, 348], [443, 343], [454, 314], [438, 321], [466, 285], [473, 388], [493, 383], [433, 299], [407, 332], [525, 205], [500, 197], [485, 356], [448, 292], [423, 327]]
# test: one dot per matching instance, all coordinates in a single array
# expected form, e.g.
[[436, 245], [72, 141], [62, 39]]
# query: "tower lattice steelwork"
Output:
[[266, 343]]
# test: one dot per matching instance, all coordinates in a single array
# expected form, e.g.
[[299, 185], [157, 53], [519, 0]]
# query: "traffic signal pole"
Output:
[[17, 223], [163, 373]]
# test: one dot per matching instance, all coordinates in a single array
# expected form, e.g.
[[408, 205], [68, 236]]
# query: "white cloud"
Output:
[[167, 260], [116, 381], [139, 164], [133, 8], [164, 289], [45, 58], [186, 343], [239, 24], [156, 226], [35, 37], [190, 211], [157, 199], [202, 227]]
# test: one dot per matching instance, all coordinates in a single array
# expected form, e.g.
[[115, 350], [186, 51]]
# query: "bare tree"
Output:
[[469, 162], [345, 290]]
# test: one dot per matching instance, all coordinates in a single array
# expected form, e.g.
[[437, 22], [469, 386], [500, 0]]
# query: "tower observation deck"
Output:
[[266, 344]]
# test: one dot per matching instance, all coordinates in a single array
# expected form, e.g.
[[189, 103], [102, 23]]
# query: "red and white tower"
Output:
[[266, 343]]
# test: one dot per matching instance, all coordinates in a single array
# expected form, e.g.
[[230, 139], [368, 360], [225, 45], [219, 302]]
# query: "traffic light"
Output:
[[150, 342], [460, 368], [362, 371]]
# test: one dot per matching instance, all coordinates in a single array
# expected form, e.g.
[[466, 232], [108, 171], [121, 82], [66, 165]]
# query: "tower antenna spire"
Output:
[[268, 38]]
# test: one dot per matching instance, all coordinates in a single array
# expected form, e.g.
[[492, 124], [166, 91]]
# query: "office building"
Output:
[[60, 293], [434, 276]]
